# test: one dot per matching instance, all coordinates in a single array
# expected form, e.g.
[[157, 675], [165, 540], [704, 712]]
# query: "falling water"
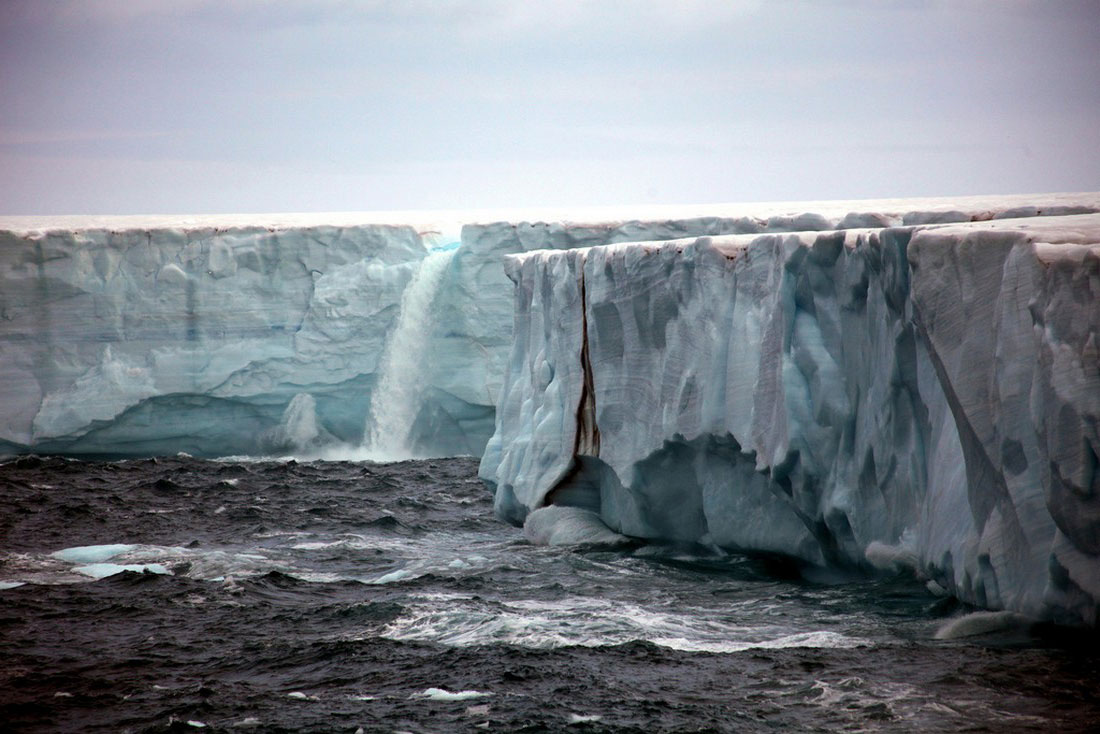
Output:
[[403, 368]]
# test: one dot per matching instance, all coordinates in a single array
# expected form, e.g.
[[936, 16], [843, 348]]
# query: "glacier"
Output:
[[223, 335], [266, 334], [874, 385], [920, 394]]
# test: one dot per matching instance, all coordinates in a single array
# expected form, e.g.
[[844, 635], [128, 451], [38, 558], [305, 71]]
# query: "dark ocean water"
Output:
[[333, 597]]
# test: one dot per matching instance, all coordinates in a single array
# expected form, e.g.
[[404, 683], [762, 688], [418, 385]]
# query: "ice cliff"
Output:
[[924, 395], [137, 336], [259, 334]]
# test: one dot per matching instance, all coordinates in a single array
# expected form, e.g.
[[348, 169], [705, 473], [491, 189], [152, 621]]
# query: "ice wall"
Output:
[[923, 396], [256, 334], [155, 337], [164, 340]]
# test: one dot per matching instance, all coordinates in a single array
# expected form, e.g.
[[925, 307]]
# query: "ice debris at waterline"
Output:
[[923, 396], [266, 334]]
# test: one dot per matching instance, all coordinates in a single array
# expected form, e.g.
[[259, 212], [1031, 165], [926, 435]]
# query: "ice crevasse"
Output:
[[925, 396]]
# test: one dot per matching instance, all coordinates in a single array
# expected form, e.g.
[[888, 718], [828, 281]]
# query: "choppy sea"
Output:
[[276, 596]]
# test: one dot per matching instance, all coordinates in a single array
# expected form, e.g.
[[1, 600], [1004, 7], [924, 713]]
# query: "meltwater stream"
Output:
[[184, 595], [404, 364]]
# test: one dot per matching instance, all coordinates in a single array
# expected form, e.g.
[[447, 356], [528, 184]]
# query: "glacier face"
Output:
[[140, 342], [139, 336], [155, 337], [924, 396], [261, 334]]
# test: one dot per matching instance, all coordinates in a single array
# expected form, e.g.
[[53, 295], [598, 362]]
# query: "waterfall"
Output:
[[404, 367]]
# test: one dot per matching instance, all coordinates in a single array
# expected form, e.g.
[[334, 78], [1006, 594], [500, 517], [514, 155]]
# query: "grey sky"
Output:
[[138, 106]]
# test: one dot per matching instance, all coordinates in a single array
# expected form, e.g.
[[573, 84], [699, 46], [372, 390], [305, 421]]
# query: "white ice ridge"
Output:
[[922, 397], [261, 334]]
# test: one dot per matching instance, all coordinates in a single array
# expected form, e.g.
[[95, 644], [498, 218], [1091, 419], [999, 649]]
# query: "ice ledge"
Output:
[[929, 394]]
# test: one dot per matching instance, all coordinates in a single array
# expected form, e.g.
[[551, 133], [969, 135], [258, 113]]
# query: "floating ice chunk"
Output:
[[299, 696], [441, 694], [91, 553], [583, 718], [557, 525], [196, 724], [103, 570], [315, 545], [10, 584]]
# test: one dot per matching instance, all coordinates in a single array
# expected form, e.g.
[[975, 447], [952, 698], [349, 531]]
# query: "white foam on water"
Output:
[[579, 621], [292, 553], [103, 570], [319, 545], [583, 718], [442, 694], [80, 563], [247, 723], [389, 578]]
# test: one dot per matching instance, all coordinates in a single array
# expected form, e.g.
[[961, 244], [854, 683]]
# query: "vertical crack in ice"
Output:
[[403, 369], [587, 441]]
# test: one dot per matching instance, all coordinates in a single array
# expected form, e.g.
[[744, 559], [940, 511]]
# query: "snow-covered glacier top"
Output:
[[833, 212]]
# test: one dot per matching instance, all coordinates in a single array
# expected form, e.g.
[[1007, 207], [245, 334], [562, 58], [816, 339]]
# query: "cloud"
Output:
[[16, 136], [461, 16]]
